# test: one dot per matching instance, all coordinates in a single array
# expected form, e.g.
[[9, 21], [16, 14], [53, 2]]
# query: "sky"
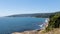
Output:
[[11, 7]]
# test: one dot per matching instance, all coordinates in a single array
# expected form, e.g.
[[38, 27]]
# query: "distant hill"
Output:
[[43, 15]]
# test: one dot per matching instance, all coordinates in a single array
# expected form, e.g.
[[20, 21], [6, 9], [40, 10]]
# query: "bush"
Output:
[[54, 22]]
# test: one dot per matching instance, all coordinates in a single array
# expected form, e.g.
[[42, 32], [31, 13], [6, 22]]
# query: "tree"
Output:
[[54, 22]]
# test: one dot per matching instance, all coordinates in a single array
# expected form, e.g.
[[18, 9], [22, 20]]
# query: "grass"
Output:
[[54, 31]]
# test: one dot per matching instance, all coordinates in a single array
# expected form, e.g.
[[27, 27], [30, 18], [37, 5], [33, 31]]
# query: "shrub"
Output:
[[54, 22]]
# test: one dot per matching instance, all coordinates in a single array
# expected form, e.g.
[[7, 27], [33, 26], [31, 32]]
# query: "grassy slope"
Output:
[[54, 31]]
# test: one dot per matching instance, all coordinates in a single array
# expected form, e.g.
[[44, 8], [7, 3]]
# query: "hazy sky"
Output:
[[9, 7]]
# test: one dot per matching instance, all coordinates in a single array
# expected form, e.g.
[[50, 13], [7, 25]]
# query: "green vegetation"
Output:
[[38, 15], [54, 22]]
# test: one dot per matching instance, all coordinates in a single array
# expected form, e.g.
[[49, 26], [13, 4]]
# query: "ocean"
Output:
[[9, 25]]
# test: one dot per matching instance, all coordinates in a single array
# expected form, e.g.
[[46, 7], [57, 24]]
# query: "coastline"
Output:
[[34, 31]]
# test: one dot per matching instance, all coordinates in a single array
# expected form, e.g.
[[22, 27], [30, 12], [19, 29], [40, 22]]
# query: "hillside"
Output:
[[43, 15], [54, 22], [32, 15], [55, 31]]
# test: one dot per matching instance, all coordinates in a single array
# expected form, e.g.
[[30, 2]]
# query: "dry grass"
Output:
[[54, 31]]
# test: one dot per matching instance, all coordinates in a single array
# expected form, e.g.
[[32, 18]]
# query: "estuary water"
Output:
[[19, 24]]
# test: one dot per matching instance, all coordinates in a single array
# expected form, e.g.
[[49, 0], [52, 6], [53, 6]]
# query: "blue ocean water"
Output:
[[18, 24]]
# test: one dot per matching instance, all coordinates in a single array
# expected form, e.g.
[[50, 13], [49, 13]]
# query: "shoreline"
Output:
[[34, 31]]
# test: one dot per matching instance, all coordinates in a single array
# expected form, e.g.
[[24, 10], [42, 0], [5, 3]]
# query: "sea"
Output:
[[9, 25]]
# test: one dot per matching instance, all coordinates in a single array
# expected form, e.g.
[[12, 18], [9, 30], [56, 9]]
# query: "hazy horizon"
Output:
[[11, 7]]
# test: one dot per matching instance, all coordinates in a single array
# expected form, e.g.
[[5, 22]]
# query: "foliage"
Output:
[[54, 22]]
